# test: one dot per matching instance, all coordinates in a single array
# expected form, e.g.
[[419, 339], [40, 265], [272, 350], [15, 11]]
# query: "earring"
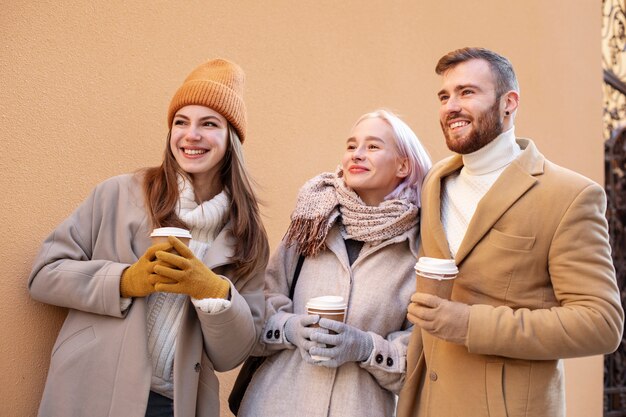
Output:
[[507, 112]]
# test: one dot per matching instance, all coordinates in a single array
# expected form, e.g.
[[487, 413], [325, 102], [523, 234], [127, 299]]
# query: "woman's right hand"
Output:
[[298, 332], [135, 279]]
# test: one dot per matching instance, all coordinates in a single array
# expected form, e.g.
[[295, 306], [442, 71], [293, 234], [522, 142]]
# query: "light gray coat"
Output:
[[100, 364], [377, 287]]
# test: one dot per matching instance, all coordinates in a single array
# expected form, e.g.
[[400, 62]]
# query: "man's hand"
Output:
[[447, 320]]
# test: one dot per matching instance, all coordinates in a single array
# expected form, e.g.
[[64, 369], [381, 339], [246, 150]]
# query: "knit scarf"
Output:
[[325, 199]]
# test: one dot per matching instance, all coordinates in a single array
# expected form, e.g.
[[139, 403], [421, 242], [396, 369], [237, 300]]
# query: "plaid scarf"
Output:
[[324, 199]]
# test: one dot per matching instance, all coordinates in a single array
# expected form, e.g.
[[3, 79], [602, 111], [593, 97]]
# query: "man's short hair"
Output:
[[500, 66]]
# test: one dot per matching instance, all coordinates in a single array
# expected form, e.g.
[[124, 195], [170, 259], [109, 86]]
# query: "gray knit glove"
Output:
[[298, 333], [348, 345]]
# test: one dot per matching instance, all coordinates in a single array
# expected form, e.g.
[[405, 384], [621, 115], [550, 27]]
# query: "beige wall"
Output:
[[84, 88]]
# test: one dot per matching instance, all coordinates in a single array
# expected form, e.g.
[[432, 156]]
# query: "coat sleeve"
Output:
[[387, 362], [278, 305], [588, 319], [65, 273], [230, 335]]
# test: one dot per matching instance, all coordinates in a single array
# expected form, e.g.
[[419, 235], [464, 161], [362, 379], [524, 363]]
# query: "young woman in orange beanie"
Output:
[[149, 324]]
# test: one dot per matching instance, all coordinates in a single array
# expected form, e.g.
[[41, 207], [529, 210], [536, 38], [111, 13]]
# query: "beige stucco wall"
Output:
[[84, 86]]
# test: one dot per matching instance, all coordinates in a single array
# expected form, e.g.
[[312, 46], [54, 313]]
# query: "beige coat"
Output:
[[377, 287], [100, 364], [535, 266]]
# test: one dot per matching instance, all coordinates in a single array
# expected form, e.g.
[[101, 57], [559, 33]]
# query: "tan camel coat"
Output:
[[535, 266]]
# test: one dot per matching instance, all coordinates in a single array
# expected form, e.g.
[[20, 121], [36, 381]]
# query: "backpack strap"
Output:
[[296, 274]]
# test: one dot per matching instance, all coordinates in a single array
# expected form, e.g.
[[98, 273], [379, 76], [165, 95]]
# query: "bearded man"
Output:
[[536, 283]]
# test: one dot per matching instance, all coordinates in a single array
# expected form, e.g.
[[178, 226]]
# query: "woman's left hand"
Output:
[[183, 273], [348, 344]]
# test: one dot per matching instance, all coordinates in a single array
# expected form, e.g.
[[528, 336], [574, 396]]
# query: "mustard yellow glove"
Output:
[[135, 280], [189, 274]]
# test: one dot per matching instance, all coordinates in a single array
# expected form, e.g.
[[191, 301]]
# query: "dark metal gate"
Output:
[[614, 64]]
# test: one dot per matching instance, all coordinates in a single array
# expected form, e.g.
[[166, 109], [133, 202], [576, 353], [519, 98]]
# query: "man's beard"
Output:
[[485, 128]]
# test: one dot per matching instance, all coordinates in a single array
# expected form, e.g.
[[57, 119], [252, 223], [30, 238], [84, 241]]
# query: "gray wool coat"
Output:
[[377, 287], [100, 364]]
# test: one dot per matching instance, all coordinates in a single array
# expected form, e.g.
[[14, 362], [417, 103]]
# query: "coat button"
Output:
[[433, 376], [269, 334], [379, 358], [197, 367], [277, 334], [389, 362]]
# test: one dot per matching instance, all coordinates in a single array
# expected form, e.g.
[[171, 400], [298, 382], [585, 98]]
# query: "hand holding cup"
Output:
[[343, 343], [329, 307], [188, 274]]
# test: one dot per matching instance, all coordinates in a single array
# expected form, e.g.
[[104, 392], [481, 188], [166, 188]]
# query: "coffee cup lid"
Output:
[[326, 302], [436, 266], [170, 231]]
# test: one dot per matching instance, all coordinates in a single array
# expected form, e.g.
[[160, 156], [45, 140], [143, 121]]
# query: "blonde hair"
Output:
[[409, 147]]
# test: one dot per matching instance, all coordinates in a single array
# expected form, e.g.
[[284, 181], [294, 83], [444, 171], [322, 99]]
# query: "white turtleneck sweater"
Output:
[[205, 221], [463, 190]]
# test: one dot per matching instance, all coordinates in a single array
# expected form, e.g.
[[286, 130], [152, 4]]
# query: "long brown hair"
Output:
[[161, 194]]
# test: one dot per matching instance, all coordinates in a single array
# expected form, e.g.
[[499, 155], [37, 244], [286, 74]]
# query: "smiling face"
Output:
[[471, 115], [198, 141], [371, 165]]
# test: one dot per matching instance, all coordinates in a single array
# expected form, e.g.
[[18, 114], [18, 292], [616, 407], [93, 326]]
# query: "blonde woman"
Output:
[[358, 231]]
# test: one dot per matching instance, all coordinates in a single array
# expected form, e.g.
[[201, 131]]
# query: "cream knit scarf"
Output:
[[325, 198]]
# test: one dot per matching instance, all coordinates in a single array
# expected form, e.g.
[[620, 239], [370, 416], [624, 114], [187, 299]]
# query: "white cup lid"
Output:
[[327, 302], [436, 266], [170, 231]]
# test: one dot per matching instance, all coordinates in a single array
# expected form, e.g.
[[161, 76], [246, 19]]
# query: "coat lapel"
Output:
[[222, 249], [516, 180], [335, 243]]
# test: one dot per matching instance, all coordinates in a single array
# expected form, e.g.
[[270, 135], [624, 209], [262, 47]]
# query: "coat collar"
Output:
[[514, 181]]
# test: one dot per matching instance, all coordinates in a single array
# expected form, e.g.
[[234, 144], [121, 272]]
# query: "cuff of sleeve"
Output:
[[211, 305], [478, 334], [111, 276], [385, 356], [125, 304], [274, 330]]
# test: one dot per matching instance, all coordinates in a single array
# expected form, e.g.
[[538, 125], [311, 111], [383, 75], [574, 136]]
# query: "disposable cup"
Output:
[[436, 276], [329, 307], [160, 235]]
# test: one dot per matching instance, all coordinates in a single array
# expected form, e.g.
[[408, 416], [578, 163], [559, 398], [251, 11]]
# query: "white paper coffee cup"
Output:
[[436, 276], [161, 234], [331, 307]]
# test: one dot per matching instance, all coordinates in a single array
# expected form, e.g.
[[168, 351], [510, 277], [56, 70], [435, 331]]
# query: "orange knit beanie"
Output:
[[217, 84]]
